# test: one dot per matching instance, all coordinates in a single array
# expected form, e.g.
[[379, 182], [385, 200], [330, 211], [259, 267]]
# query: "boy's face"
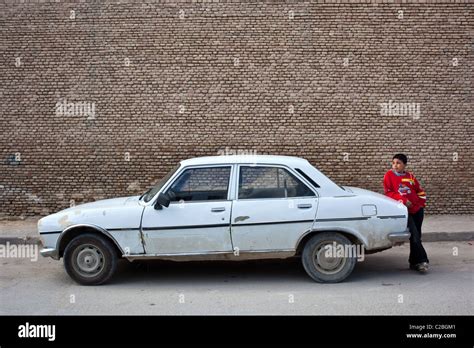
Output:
[[398, 165]]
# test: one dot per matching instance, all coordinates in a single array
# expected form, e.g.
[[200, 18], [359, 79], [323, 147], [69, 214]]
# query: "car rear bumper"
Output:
[[400, 237]]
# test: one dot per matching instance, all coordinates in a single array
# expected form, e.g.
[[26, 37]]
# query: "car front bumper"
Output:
[[50, 252]]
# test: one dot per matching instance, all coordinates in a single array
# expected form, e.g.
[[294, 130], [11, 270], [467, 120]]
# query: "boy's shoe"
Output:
[[420, 267]]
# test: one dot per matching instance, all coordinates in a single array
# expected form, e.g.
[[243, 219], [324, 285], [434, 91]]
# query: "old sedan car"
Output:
[[228, 208]]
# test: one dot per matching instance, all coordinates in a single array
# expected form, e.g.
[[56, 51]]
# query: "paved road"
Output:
[[377, 286]]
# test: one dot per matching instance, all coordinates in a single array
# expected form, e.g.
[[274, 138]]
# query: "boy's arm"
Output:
[[391, 192]]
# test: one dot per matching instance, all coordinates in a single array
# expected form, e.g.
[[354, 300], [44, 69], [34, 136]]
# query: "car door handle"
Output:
[[304, 206], [219, 209]]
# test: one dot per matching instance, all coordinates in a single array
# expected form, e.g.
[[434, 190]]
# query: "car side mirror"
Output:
[[163, 200]]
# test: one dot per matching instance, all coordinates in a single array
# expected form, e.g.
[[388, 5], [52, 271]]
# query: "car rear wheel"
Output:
[[90, 259], [322, 261]]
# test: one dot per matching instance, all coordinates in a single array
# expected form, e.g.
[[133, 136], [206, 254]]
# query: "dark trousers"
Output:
[[417, 252]]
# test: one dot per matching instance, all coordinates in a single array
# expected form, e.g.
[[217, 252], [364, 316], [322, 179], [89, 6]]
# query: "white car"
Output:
[[228, 208]]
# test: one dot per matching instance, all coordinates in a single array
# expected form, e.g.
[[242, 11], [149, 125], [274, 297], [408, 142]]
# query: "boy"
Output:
[[403, 186]]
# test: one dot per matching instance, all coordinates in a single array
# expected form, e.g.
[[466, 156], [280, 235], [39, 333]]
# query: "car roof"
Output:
[[232, 159]]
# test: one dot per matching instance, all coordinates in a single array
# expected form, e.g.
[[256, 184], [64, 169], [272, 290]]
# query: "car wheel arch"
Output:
[[352, 236], [73, 231]]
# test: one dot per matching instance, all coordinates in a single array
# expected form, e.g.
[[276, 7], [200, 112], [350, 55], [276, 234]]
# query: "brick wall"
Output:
[[100, 99]]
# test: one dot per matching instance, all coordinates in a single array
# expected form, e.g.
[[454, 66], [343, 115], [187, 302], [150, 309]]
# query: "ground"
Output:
[[382, 284]]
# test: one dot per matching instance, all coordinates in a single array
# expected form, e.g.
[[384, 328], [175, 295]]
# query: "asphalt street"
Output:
[[381, 284]]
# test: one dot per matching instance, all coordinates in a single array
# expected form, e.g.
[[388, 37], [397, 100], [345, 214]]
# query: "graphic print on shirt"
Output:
[[403, 190], [409, 180]]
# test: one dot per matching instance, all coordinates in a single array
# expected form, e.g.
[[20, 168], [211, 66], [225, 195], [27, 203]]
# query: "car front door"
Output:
[[272, 209], [198, 217]]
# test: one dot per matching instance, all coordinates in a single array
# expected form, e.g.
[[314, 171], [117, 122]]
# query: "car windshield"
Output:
[[150, 193]]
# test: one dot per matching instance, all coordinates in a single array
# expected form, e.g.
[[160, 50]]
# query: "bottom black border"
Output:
[[239, 330]]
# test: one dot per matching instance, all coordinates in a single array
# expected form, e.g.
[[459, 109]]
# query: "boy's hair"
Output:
[[401, 157]]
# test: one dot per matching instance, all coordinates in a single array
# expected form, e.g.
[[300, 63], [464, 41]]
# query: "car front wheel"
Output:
[[322, 258], [90, 259]]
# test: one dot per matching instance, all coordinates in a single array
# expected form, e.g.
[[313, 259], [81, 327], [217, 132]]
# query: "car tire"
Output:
[[324, 269], [90, 259]]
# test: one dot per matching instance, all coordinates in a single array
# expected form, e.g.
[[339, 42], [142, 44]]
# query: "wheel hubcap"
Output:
[[88, 260], [328, 264]]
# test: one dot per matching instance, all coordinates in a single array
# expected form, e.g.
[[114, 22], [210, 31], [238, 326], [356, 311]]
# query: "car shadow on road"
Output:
[[169, 272], [242, 272]]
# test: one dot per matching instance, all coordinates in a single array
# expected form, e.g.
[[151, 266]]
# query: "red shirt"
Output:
[[404, 187]]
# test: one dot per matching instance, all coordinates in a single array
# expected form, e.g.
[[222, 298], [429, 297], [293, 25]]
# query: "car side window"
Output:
[[201, 184], [270, 182]]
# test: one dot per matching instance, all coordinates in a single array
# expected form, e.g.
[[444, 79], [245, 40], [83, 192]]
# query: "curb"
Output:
[[447, 236], [427, 237], [18, 240]]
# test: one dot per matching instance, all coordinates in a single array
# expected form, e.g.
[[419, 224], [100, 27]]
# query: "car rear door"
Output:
[[273, 207]]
